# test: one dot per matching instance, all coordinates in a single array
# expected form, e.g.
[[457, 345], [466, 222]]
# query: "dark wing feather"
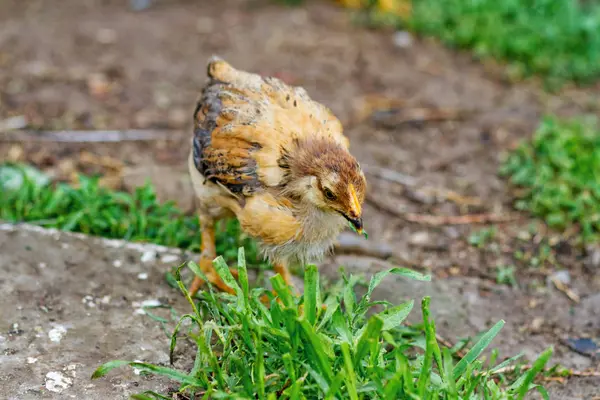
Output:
[[222, 159]]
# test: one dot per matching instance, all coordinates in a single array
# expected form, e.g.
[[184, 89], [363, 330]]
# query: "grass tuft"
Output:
[[557, 175], [28, 196], [297, 349]]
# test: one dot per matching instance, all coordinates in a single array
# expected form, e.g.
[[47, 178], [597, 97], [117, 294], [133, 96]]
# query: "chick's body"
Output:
[[267, 154]]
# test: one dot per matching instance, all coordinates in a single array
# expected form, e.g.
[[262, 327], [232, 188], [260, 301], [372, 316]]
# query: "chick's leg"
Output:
[[282, 270], [207, 255]]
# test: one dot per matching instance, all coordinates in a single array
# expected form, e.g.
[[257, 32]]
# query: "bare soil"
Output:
[[95, 64]]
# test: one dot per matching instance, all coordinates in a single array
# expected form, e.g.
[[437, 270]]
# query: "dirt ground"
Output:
[[97, 65]]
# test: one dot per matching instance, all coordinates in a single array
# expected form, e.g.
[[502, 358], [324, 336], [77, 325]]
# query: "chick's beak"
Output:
[[357, 223], [355, 212]]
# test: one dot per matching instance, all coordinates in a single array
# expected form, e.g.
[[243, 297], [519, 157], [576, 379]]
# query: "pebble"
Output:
[[563, 276], [57, 382], [56, 334], [148, 256], [420, 238], [169, 258], [13, 123], [402, 39]]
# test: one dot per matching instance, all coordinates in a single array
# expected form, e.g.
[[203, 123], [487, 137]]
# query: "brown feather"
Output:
[[244, 124]]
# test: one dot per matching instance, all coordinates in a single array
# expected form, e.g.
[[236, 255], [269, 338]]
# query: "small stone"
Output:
[[142, 276], [57, 382], [563, 276], [117, 263], [56, 334], [139, 306], [420, 239], [402, 39], [536, 324], [169, 258], [148, 256], [31, 360], [14, 123]]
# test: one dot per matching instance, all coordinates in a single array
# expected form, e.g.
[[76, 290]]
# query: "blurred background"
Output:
[[475, 121]]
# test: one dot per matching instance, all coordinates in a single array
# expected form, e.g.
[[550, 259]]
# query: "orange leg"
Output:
[[207, 255], [282, 270]]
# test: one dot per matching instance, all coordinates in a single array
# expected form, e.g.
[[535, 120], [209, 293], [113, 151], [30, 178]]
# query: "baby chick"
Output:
[[265, 153]]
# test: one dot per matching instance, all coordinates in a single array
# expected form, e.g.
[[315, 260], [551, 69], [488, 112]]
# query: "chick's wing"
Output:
[[245, 124]]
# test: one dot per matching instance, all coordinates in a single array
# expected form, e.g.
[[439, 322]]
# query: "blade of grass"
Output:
[[145, 367], [243, 275], [107, 367], [311, 293], [477, 349], [282, 290], [404, 272], [335, 386], [427, 366], [372, 332], [331, 305], [430, 333], [536, 368], [350, 374], [259, 366], [448, 377], [225, 274], [176, 331], [318, 353]]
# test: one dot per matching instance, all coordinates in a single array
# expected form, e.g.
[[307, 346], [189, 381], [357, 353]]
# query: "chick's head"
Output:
[[330, 178]]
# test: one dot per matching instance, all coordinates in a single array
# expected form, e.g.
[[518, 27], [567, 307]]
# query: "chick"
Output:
[[265, 153]]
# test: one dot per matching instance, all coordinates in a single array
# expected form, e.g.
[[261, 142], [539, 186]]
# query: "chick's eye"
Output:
[[329, 194]]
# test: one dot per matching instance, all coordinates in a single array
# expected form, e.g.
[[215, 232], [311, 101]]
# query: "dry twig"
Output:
[[130, 135], [390, 175], [439, 220], [469, 219], [392, 118], [574, 297], [570, 372]]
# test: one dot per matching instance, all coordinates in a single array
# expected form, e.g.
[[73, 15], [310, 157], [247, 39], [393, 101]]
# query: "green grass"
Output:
[[557, 175], [297, 349], [558, 40], [91, 209]]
